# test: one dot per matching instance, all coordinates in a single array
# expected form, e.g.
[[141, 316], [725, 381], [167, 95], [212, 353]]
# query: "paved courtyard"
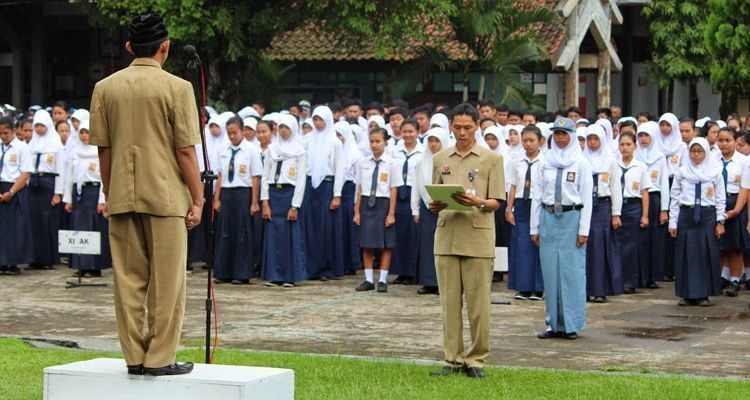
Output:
[[645, 332]]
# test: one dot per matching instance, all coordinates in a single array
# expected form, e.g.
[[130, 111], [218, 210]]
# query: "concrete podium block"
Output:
[[107, 378]]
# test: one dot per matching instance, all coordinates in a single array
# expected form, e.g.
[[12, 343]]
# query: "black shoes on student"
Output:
[[382, 287], [704, 302], [135, 369], [428, 290], [174, 369], [471, 372], [9, 270], [548, 334], [365, 287], [732, 290], [403, 280]]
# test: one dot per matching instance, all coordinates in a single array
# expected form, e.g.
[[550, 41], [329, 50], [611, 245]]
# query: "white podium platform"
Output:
[[107, 378]]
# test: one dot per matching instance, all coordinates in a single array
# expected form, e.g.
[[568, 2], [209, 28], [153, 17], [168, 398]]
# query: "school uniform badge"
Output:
[[50, 158], [383, 177], [654, 174], [710, 191], [737, 178], [292, 172], [446, 170], [92, 167], [571, 177], [674, 159], [13, 158], [243, 169], [636, 186], [605, 177]]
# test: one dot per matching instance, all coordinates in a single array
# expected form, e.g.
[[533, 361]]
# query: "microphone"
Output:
[[189, 49]]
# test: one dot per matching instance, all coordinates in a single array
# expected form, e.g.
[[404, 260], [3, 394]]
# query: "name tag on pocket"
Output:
[[737, 178], [50, 158], [571, 177], [383, 177], [654, 174], [636, 186], [605, 177], [13, 158], [92, 167], [674, 159], [710, 191], [243, 169], [292, 171]]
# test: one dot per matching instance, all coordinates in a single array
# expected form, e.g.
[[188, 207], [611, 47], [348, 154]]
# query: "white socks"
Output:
[[735, 279], [383, 276], [725, 273], [368, 275]]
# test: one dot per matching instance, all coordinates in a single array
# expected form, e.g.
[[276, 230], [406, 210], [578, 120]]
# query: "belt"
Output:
[[45, 174], [732, 194], [281, 185], [95, 184], [627, 200], [702, 207], [605, 198], [564, 208], [329, 178]]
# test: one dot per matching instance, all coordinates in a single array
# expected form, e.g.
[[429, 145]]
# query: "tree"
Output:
[[727, 38], [231, 35], [678, 52]]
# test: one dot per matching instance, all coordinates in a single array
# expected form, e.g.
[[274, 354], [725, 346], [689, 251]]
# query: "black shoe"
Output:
[[724, 283], [651, 285], [365, 287], [399, 281], [94, 273], [600, 299], [547, 334], [189, 268], [350, 272], [135, 369], [570, 336], [241, 282], [475, 372], [630, 291], [447, 370], [668, 279], [497, 276], [536, 296], [428, 290], [382, 287], [732, 289], [221, 281], [521, 296], [79, 274], [13, 270], [704, 303], [174, 369], [3, 269]]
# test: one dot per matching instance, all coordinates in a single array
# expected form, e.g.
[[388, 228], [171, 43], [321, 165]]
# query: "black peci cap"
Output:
[[147, 29]]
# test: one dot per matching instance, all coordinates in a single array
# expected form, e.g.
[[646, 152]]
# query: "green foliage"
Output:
[[727, 37]]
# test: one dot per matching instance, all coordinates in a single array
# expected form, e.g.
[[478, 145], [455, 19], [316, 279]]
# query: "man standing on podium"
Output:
[[145, 123]]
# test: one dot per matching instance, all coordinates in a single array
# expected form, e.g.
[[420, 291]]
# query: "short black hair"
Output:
[[399, 103], [411, 121], [423, 109], [265, 122], [147, 49], [5, 121], [487, 119], [629, 134], [517, 113], [347, 102], [376, 106], [575, 110], [645, 114], [688, 120], [465, 109], [236, 119], [378, 129], [707, 127], [258, 102], [606, 110], [485, 103], [502, 108], [532, 129], [629, 123], [62, 104], [398, 111], [335, 106], [295, 106], [58, 123]]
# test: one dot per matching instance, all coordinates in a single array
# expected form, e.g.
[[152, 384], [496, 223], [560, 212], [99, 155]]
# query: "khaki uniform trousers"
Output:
[[149, 254], [470, 277]]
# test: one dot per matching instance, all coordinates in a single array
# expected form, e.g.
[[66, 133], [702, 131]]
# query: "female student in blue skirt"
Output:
[[236, 201], [350, 155], [735, 168], [524, 267], [560, 219], [670, 143], [435, 140], [696, 221], [648, 153], [45, 191], [282, 192], [377, 178], [408, 152], [632, 235], [603, 268], [16, 167], [321, 214], [84, 200]]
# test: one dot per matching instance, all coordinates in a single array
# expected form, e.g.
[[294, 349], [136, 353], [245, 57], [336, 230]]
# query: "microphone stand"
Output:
[[208, 177]]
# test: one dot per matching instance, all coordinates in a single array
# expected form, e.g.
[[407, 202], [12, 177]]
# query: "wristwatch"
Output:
[[481, 206], [293, 208], [720, 222], [12, 193]]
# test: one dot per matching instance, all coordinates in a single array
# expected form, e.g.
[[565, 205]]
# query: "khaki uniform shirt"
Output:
[[143, 114], [468, 233]]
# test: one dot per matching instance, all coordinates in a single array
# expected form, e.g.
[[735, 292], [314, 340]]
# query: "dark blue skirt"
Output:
[[85, 218], [15, 234], [668, 250], [45, 220], [697, 256], [632, 242], [373, 233], [323, 236], [603, 268], [426, 274], [502, 227], [352, 258], [233, 243], [404, 258], [659, 242], [283, 258], [735, 229], [524, 267], [197, 244]]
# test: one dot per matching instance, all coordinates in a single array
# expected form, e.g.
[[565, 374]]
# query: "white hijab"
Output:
[[440, 120], [558, 157], [652, 153], [248, 112], [502, 147], [282, 149], [50, 142], [423, 173], [704, 172], [363, 139], [378, 120], [514, 150], [547, 133], [350, 153], [320, 145], [86, 151], [601, 159], [671, 143]]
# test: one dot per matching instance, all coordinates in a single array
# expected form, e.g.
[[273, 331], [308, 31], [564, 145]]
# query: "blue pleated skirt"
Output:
[[697, 255], [85, 218], [323, 235], [197, 243], [659, 243], [603, 268], [352, 258], [632, 242], [233, 243], [668, 264], [563, 270], [15, 234], [283, 258], [426, 274], [372, 231], [404, 258], [735, 236], [45, 221], [524, 266]]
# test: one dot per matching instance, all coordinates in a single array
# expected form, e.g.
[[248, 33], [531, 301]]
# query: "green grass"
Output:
[[332, 377]]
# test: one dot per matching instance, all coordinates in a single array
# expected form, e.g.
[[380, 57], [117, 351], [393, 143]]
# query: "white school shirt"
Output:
[[657, 172], [399, 156], [52, 163], [676, 160], [389, 175], [609, 185], [17, 160], [517, 173], [292, 173], [636, 179], [79, 171], [736, 171], [577, 189], [334, 166], [683, 194], [247, 164]]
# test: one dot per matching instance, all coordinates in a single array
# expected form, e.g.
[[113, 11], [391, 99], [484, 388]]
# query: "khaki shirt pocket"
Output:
[[482, 220]]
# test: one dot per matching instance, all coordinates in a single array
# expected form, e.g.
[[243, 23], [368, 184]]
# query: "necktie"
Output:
[[262, 159], [395, 141], [421, 139], [374, 184], [38, 160], [725, 173], [595, 200], [231, 164], [405, 169], [2, 158], [697, 204], [558, 192], [278, 170], [527, 180], [622, 178]]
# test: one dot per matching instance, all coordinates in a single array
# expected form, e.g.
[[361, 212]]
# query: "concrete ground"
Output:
[[645, 332]]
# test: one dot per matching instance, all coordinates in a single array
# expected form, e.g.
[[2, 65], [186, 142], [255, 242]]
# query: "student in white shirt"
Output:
[[15, 169], [282, 192], [696, 221], [669, 142], [350, 155], [236, 201], [560, 221], [377, 178]]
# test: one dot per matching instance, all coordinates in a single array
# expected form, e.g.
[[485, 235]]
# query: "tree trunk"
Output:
[[465, 96], [480, 96], [729, 101]]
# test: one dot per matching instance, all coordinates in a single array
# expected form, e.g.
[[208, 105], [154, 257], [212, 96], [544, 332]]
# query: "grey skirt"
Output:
[[372, 231]]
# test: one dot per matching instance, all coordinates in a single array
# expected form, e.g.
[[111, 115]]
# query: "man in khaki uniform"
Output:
[[465, 242], [145, 122]]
